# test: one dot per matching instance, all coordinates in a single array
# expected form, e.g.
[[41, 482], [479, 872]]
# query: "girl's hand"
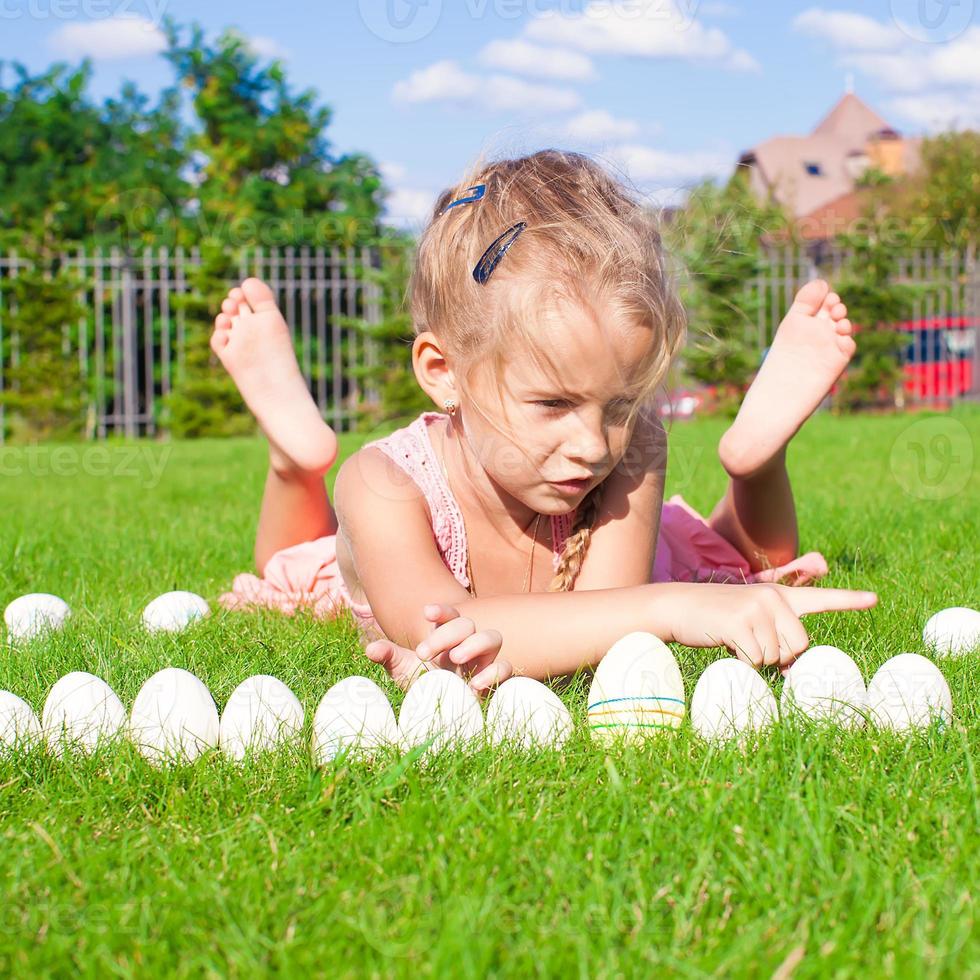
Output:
[[453, 645], [759, 623], [456, 644]]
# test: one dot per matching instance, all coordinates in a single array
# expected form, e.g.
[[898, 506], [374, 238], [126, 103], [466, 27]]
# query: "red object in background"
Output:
[[939, 356]]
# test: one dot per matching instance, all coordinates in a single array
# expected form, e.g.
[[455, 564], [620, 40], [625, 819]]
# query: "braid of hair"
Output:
[[577, 542]]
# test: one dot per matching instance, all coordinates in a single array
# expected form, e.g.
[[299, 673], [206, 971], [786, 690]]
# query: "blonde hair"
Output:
[[586, 236]]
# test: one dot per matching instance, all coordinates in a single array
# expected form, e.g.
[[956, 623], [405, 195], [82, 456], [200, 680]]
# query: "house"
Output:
[[815, 177]]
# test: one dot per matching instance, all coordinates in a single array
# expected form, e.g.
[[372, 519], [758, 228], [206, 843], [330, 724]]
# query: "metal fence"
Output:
[[130, 344], [941, 355]]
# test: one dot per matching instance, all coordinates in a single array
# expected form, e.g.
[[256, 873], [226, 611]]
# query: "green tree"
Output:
[[44, 395], [940, 203], [875, 301], [719, 237], [265, 178]]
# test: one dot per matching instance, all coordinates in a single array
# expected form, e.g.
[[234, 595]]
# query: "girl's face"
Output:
[[567, 428]]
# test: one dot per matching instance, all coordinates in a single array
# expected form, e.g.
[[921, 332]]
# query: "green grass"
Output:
[[814, 853]]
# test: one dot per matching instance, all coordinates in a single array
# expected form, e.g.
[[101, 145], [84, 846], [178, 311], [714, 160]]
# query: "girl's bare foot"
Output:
[[808, 354], [252, 341]]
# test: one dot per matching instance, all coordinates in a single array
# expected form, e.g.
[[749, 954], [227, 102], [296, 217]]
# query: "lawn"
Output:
[[813, 853]]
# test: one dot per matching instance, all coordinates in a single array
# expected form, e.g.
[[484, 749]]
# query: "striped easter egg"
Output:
[[637, 690]]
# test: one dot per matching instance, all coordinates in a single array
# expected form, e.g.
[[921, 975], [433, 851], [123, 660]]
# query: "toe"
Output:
[[812, 295], [844, 327], [222, 322], [838, 311], [219, 340], [847, 346], [258, 295], [230, 307]]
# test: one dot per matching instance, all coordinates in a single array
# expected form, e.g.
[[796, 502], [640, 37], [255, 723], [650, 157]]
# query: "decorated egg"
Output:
[[637, 690]]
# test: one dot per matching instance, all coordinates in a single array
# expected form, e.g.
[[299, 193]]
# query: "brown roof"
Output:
[[851, 120], [808, 173]]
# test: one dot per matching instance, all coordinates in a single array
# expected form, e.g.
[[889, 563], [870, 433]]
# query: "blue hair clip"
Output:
[[484, 268], [478, 191]]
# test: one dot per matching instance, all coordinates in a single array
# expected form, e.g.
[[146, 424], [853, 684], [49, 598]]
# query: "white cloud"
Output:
[[445, 81], [524, 58], [392, 172], [667, 169], [267, 47], [596, 125], [848, 31], [939, 111], [110, 39], [930, 86], [409, 208], [639, 28]]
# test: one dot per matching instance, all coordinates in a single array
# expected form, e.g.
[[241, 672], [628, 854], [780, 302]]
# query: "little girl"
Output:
[[544, 320]]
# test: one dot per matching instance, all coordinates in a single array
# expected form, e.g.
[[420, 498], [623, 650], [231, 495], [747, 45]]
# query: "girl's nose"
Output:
[[588, 443]]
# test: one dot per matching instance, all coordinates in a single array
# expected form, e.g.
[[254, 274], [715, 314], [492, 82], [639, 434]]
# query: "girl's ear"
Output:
[[432, 371]]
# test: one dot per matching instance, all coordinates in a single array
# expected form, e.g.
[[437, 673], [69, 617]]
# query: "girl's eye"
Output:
[[553, 403]]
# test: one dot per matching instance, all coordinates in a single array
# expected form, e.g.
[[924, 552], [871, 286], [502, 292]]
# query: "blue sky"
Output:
[[666, 91]]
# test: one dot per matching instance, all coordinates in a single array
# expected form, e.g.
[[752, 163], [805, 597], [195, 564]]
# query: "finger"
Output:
[[482, 644], [765, 635], [807, 599], [793, 637], [379, 651], [445, 637], [439, 612], [492, 675], [746, 648]]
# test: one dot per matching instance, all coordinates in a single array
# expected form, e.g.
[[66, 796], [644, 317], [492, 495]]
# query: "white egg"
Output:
[[637, 690], [174, 611], [81, 711], [174, 717], [825, 684], [19, 727], [526, 712], [731, 698], [440, 706], [261, 714], [909, 691], [31, 615], [353, 716], [953, 631]]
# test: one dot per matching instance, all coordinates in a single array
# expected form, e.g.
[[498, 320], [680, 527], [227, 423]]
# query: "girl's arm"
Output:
[[382, 514]]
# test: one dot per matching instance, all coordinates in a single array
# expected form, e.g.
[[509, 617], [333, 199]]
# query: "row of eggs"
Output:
[[637, 690], [952, 631], [175, 718]]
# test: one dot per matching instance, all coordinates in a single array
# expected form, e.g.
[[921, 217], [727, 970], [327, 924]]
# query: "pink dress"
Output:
[[308, 574]]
